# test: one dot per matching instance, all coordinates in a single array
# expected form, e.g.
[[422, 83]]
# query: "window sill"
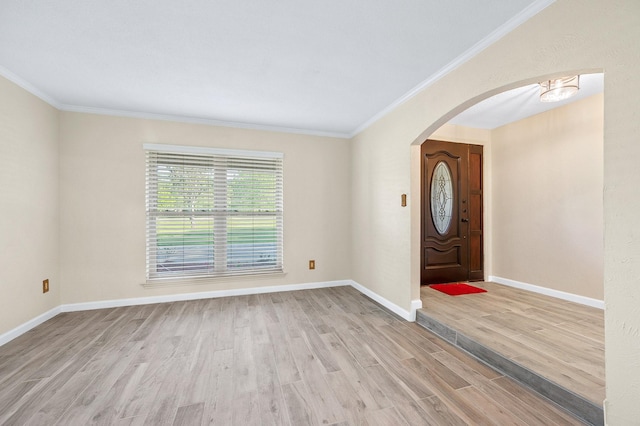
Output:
[[181, 282]]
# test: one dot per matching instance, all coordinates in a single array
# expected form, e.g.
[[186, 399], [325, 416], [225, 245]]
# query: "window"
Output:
[[212, 212]]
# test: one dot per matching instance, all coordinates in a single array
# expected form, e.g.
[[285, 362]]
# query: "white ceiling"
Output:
[[327, 67]]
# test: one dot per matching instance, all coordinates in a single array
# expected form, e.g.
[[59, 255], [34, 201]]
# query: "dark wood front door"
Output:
[[452, 240]]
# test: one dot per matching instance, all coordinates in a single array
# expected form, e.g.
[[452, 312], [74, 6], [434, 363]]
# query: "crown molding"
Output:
[[526, 14], [28, 87], [532, 10], [199, 120], [162, 117]]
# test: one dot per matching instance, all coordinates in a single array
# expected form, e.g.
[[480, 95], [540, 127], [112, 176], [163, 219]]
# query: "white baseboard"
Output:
[[403, 313], [415, 305], [595, 303], [23, 328], [409, 316], [103, 304], [74, 307]]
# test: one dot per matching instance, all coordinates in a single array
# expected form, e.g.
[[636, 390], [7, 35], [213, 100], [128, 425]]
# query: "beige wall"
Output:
[[568, 36], [102, 179], [547, 203], [29, 200]]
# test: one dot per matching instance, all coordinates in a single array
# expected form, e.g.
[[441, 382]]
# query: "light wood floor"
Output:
[[327, 356], [560, 340]]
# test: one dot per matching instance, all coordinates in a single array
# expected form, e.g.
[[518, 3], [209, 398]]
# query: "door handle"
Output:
[[464, 219]]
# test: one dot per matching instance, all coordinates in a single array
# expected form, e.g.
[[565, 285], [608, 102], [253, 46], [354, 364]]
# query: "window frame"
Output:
[[225, 160]]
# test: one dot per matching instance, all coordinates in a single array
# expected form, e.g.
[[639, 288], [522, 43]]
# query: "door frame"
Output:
[[475, 158]]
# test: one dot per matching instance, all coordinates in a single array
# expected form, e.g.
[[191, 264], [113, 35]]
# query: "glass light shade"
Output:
[[442, 197], [559, 89]]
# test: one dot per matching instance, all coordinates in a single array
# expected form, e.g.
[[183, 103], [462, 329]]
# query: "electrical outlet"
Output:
[[312, 264], [45, 285]]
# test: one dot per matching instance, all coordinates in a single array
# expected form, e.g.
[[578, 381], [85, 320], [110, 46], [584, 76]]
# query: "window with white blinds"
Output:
[[212, 212]]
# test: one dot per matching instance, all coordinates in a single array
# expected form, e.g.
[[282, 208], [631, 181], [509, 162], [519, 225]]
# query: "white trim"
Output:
[[23, 328], [403, 313], [529, 12], [196, 296], [595, 303], [197, 120], [103, 304], [415, 305], [181, 149], [494, 36], [181, 282], [162, 117], [28, 87]]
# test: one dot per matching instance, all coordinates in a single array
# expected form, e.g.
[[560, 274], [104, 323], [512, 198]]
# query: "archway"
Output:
[[441, 130], [577, 147], [563, 36]]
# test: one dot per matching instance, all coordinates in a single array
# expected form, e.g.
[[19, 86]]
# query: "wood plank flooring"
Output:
[[560, 340], [318, 357]]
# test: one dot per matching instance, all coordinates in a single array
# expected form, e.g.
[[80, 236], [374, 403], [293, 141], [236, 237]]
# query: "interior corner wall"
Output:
[[599, 35], [29, 197], [102, 199], [548, 204], [380, 226]]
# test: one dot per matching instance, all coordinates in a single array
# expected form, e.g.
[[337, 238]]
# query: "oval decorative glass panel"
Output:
[[441, 197]]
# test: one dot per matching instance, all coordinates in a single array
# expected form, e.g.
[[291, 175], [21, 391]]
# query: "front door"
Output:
[[452, 240]]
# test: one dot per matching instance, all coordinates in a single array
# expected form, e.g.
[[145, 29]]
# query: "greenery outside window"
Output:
[[212, 212]]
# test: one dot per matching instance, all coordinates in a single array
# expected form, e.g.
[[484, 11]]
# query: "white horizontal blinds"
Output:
[[213, 214], [180, 219], [254, 213]]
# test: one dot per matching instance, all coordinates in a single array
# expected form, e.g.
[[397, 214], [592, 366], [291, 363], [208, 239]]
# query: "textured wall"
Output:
[[569, 36], [547, 203], [102, 180], [29, 200]]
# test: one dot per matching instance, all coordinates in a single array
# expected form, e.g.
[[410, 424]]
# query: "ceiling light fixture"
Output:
[[559, 89]]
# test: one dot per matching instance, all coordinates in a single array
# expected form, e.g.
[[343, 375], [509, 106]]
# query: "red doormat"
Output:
[[456, 289]]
